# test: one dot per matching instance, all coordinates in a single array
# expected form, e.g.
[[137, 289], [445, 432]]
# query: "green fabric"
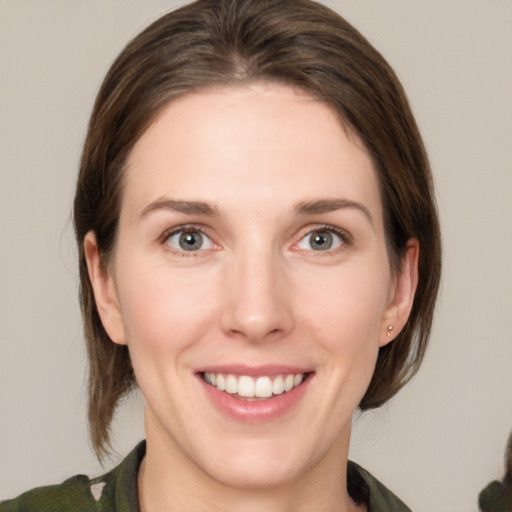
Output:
[[77, 494], [378, 498], [116, 491], [496, 497]]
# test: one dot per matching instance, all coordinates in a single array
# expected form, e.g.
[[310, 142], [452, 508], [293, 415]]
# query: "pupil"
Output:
[[321, 240], [191, 241]]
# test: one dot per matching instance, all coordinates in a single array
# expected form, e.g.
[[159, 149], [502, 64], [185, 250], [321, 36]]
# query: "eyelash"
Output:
[[188, 228], [344, 236]]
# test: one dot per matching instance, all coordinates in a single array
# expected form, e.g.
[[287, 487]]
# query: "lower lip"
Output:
[[255, 411]]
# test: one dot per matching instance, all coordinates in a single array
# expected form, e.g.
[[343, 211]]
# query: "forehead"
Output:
[[261, 141]]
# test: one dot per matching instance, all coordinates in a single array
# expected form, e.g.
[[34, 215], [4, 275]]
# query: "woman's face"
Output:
[[251, 256]]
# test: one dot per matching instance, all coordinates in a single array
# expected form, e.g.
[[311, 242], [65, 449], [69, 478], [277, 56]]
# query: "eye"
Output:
[[324, 239], [189, 240]]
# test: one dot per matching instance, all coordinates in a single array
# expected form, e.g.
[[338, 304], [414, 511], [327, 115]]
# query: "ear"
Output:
[[104, 291], [402, 294]]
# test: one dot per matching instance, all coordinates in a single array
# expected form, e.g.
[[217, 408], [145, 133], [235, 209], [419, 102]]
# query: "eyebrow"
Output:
[[187, 207], [314, 207], [331, 205]]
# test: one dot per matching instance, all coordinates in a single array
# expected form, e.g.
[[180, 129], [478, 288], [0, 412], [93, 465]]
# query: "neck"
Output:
[[170, 481], [155, 495]]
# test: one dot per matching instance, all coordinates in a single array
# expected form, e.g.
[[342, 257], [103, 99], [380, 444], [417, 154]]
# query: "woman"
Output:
[[259, 254]]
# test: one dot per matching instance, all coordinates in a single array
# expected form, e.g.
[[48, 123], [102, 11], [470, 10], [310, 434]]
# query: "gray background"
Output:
[[442, 439]]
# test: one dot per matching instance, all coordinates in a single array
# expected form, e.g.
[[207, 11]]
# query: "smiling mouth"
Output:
[[245, 387]]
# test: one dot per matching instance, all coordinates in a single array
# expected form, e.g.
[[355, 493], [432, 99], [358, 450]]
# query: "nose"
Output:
[[258, 299]]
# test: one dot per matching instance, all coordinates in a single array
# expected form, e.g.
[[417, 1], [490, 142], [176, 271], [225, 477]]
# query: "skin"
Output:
[[256, 292]]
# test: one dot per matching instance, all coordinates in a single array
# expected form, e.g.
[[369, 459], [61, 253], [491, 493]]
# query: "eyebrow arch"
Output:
[[187, 207], [331, 205]]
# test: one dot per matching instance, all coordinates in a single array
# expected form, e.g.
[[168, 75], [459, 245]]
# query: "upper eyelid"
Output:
[[188, 228], [183, 228], [325, 227], [345, 236]]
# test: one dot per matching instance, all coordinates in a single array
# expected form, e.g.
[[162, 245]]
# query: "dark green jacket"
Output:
[[496, 497], [117, 491]]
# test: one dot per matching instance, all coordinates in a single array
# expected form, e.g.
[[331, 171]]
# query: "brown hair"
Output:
[[221, 42], [507, 480]]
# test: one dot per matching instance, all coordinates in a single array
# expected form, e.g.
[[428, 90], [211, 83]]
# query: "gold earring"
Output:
[[390, 328]]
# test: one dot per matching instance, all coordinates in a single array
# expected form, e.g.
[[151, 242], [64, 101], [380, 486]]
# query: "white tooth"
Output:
[[231, 384], [263, 387], [288, 383], [278, 385], [221, 382], [213, 379], [207, 377], [297, 379], [246, 386]]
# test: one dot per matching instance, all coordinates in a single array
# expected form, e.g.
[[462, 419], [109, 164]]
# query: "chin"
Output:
[[254, 475], [262, 463]]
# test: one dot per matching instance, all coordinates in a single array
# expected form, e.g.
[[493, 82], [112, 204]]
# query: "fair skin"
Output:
[[251, 244]]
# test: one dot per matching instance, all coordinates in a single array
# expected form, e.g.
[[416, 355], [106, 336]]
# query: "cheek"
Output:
[[164, 310], [348, 303], [344, 317]]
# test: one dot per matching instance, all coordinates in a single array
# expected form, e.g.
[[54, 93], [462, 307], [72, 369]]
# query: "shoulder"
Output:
[[363, 486], [73, 494], [115, 491]]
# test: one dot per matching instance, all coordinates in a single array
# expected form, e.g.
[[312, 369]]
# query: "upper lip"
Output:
[[268, 370]]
